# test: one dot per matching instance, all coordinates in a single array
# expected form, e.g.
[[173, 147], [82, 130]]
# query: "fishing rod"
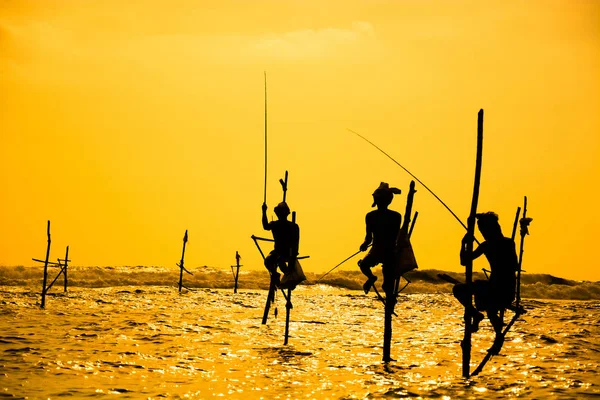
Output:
[[265, 186], [331, 270], [411, 174]]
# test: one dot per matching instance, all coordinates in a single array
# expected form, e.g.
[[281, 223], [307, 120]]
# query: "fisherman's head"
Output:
[[488, 225], [383, 195], [282, 210]]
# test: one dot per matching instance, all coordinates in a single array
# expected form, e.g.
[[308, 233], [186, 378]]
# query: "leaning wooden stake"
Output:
[[466, 342], [181, 267], [43, 304], [288, 303]]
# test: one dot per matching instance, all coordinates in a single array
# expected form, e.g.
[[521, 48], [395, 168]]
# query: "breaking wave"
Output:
[[540, 286]]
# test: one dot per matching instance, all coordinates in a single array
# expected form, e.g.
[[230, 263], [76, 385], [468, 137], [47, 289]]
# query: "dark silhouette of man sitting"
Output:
[[383, 226], [498, 292], [287, 237]]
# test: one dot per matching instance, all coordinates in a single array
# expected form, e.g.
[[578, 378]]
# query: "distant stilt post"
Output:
[[237, 271], [43, 304], [288, 303], [65, 269], [181, 267], [525, 221], [466, 343]]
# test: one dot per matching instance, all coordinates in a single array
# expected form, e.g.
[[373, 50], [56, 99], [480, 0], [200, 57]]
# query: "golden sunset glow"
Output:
[[126, 123]]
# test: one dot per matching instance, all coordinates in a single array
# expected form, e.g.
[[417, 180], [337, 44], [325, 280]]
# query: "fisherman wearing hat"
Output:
[[383, 226], [286, 235]]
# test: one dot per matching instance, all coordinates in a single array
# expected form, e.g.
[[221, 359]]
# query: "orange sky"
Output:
[[126, 124]]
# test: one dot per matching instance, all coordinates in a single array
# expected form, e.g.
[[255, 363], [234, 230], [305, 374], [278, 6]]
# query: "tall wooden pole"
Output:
[[412, 224], [514, 230], [466, 343], [43, 304], [181, 267], [523, 232], [288, 303], [237, 273], [65, 269]]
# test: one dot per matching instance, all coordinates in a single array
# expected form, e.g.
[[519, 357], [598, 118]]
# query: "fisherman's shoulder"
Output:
[[393, 214]]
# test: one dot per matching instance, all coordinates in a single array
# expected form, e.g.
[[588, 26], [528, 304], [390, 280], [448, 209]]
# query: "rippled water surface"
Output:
[[152, 342]]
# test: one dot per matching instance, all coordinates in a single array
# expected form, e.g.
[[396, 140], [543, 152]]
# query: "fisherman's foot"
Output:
[[477, 318], [369, 284]]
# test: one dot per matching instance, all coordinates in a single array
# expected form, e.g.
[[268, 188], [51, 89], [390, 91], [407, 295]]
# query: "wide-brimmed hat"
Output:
[[384, 191]]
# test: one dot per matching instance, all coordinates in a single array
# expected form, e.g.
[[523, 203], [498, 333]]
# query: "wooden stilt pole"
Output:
[[43, 304], [412, 225], [514, 230], [523, 232], [181, 267], [237, 272], [65, 269], [288, 303], [466, 342]]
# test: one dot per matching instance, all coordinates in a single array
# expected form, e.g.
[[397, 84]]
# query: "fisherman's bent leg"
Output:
[[271, 262], [365, 266]]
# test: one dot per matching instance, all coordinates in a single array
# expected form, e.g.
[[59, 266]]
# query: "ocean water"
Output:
[[149, 341]]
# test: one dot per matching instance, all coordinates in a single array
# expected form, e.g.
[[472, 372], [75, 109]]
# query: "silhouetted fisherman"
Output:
[[383, 226], [498, 292], [286, 235]]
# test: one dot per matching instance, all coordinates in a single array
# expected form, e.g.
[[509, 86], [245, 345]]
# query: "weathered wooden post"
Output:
[[43, 304], [412, 225], [181, 267], [288, 303], [236, 274], [66, 260], [514, 230], [525, 221], [466, 342]]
